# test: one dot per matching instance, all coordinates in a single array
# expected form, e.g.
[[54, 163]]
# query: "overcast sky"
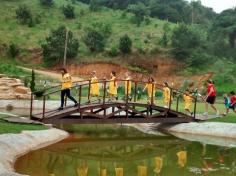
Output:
[[219, 5]]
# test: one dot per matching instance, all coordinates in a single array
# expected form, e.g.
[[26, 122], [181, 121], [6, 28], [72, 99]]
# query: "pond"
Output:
[[115, 150]]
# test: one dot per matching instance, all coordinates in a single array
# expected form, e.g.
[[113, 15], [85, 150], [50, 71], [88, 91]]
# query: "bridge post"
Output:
[[80, 92], [89, 90], [135, 91], [171, 91], [177, 104], [104, 92]]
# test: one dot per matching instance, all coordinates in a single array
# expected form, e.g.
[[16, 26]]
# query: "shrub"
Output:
[[125, 44], [24, 15], [46, 2], [13, 50], [69, 11], [32, 81], [94, 40], [94, 5], [53, 48], [113, 52]]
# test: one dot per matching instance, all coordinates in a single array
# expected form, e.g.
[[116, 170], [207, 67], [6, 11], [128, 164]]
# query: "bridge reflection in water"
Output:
[[130, 156]]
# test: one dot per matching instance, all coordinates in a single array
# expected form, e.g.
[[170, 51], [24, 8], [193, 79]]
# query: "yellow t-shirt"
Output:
[[119, 171], [128, 86], [142, 170], [166, 94], [66, 82], [182, 158], [158, 164], [187, 101], [94, 89], [82, 171], [149, 89], [113, 86]]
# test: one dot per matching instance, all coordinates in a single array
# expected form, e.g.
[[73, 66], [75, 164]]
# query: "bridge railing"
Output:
[[82, 91]]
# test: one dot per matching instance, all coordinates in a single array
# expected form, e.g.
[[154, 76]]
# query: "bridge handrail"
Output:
[[81, 83]]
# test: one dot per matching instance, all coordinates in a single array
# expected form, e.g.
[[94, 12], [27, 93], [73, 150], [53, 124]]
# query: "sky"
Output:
[[219, 5]]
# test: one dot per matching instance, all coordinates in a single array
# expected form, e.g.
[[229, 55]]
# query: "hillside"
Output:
[[144, 38]]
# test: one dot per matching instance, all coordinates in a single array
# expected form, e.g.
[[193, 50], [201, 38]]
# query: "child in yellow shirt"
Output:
[[188, 99], [112, 91], [151, 89], [166, 95], [128, 86], [94, 87]]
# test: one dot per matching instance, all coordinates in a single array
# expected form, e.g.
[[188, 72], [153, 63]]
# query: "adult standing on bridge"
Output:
[[210, 97], [66, 84]]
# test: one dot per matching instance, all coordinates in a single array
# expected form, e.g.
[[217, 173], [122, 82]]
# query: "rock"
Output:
[[11, 88], [22, 90]]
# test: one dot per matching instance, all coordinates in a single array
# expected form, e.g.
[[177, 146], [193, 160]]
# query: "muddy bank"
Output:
[[13, 146]]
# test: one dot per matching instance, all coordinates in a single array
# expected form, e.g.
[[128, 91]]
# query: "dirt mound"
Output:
[[163, 71]]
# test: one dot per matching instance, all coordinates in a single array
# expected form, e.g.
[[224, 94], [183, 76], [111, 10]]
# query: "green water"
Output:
[[108, 147]]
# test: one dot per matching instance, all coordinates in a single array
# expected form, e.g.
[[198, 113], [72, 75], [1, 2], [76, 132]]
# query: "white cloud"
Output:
[[219, 5]]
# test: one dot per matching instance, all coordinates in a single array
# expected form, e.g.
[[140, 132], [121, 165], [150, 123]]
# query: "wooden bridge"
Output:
[[131, 109]]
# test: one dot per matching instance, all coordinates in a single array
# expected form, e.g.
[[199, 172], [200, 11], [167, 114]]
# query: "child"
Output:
[[232, 101], [112, 92], [66, 84], [187, 101], [151, 89], [166, 95], [94, 87], [227, 104], [128, 86]]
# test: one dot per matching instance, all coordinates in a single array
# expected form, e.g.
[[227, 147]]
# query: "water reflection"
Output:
[[130, 156]]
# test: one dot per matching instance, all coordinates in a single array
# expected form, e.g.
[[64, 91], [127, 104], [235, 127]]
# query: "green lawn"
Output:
[[6, 127]]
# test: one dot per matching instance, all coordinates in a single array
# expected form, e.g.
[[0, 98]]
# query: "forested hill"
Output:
[[172, 10], [116, 29]]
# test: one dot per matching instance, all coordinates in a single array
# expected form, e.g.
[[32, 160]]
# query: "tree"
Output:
[[69, 11], [225, 24], [140, 11], [13, 50], [46, 2], [184, 41], [125, 44], [23, 14], [53, 48], [96, 36], [94, 40], [94, 5]]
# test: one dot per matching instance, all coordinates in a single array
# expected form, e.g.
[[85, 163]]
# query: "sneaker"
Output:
[[165, 106], [61, 108], [205, 113], [217, 113]]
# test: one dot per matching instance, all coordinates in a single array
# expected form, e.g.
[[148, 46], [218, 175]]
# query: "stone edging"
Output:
[[13, 146]]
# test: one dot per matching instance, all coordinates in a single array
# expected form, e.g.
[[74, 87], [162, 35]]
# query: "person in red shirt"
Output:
[[232, 101], [210, 97]]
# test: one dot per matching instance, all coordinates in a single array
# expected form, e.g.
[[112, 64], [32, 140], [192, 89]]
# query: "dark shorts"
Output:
[[233, 106], [211, 99]]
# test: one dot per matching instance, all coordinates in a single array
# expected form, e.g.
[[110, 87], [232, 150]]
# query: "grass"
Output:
[[6, 127]]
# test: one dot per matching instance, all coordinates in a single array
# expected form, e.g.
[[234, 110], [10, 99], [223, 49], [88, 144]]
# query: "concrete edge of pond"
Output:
[[207, 132], [12, 146]]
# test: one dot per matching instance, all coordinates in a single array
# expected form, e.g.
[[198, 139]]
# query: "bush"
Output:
[[24, 15], [113, 52], [53, 48], [69, 11], [96, 36], [46, 2], [94, 40], [94, 5], [125, 44], [13, 50]]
